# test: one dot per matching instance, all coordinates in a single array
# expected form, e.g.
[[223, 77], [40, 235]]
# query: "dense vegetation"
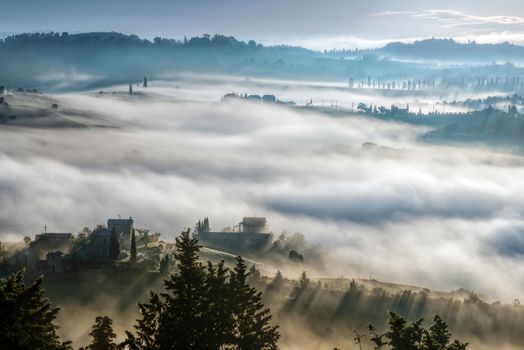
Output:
[[201, 307]]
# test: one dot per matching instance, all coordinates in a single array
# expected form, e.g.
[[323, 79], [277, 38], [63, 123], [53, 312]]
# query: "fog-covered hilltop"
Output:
[[65, 61], [448, 50]]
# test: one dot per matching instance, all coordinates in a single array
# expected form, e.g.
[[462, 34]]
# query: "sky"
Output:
[[311, 23]]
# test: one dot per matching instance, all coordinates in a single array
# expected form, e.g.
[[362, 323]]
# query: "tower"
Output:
[[130, 89], [145, 82]]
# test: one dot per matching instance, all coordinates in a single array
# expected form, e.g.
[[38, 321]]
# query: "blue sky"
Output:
[[312, 23]]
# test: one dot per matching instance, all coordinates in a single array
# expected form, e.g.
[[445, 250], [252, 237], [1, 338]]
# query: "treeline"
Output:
[[52, 61], [327, 313], [203, 306]]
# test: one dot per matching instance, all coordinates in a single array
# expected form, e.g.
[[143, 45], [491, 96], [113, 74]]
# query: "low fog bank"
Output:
[[438, 216]]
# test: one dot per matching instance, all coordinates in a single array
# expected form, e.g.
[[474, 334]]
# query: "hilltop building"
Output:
[[269, 99], [55, 262], [51, 241], [123, 228], [252, 235], [99, 245], [95, 253]]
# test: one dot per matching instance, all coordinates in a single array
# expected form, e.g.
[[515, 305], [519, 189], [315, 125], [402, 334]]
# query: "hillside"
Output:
[[65, 61]]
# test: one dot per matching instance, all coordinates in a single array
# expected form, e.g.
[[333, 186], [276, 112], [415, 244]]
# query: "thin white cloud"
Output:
[[452, 18]]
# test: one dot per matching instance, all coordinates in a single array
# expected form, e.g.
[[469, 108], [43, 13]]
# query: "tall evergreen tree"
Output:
[[176, 319], [219, 320], [114, 246], [102, 334], [181, 326], [147, 327], [27, 317], [133, 247], [251, 327], [203, 309]]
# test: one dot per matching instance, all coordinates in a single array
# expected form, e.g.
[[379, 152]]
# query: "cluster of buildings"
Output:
[[59, 252], [52, 252], [268, 99]]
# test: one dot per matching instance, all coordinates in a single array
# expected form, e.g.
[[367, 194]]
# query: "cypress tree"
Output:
[[133, 247]]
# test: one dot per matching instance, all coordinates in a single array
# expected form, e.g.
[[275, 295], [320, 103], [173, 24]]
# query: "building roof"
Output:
[[254, 221], [119, 221], [56, 252], [102, 232], [54, 236]]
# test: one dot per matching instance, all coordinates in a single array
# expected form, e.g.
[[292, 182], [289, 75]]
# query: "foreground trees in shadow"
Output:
[[204, 307], [208, 306], [102, 335], [402, 335], [26, 317]]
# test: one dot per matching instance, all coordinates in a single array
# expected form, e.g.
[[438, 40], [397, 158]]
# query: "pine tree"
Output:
[[181, 325], [147, 327], [102, 334], [175, 319], [133, 247], [26, 316], [203, 309], [402, 335], [114, 246], [252, 329], [219, 320]]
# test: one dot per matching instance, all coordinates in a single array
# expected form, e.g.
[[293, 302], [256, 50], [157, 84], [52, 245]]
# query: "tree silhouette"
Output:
[[26, 316], [205, 308], [219, 320], [102, 334], [147, 326], [402, 335], [133, 247], [176, 318], [252, 329]]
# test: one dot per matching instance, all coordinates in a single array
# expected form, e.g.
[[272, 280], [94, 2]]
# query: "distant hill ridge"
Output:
[[52, 61]]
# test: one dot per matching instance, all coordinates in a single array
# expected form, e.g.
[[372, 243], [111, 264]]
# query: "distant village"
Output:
[[268, 99], [119, 245]]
